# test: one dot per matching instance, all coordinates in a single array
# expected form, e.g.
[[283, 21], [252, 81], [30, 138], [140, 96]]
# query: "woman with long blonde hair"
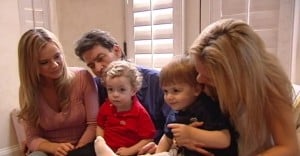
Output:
[[250, 85], [58, 104]]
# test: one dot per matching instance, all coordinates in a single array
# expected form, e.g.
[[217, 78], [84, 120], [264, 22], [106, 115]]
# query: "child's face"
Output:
[[180, 95], [119, 92]]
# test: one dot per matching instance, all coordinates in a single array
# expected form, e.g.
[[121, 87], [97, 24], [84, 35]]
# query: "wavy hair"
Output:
[[249, 82], [30, 44], [126, 69]]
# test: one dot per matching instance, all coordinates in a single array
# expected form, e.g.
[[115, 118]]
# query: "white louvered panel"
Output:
[[143, 47], [258, 19], [259, 5], [160, 60], [269, 36], [160, 4], [142, 33], [163, 16], [162, 31], [142, 18], [144, 59], [141, 5], [227, 7], [163, 46], [153, 31]]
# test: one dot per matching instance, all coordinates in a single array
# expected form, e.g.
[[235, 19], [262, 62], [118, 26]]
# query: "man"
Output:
[[98, 49]]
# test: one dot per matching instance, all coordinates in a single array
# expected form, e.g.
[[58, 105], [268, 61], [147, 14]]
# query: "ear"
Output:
[[198, 89], [117, 50], [133, 92]]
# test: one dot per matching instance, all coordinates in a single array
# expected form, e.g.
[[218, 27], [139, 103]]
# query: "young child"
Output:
[[122, 121], [184, 95]]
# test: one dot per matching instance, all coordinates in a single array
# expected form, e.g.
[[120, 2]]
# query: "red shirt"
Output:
[[125, 129]]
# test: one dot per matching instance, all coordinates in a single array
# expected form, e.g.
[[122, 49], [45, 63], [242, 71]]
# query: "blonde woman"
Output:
[[58, 104], [250, 85]]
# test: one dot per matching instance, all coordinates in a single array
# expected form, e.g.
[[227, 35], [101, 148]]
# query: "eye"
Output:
[[57, 56], [91, 65], [122, 89], [99, 58], [175, 90], [109, 89], [43, 62], [165, 91]]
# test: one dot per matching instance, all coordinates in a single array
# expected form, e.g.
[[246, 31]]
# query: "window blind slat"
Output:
[[160, 4], [164, 16], [161, 59], [163, 31], [142, 18], [163, 46], [143, 46], [258, 19], [142, 33], [141, 5]]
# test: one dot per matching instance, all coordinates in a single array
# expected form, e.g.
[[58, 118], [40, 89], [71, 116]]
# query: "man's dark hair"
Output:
[[93, 38]]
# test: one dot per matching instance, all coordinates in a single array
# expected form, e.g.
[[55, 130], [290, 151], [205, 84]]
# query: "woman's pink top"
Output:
[[76, 123]]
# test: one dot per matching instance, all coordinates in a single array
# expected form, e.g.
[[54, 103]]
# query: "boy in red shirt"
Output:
[[122, 121]]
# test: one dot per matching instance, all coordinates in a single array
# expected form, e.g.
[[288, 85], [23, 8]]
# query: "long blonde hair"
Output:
[[250, 83], [30, 44]]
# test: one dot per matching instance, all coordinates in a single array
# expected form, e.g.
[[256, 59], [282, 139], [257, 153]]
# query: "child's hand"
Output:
[[148, 148], [125, 151], [181, 133]]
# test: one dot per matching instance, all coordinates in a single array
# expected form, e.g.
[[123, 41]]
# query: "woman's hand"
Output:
[[62, 149], [148, 148]]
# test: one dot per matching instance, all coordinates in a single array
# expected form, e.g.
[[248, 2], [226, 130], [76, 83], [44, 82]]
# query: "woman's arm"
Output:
[[37, 143], [99, 131], [284, 134], [90, 99], [185, 134]]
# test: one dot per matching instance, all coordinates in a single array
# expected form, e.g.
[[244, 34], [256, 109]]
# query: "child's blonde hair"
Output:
[[126, 69]]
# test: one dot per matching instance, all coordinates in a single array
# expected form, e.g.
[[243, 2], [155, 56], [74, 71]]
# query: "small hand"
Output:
[[183, 137], [148, 148], [125, 151], [181, 133]]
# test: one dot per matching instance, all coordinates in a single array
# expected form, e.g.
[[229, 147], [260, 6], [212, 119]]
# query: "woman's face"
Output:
[[50, 61], [203, 76]]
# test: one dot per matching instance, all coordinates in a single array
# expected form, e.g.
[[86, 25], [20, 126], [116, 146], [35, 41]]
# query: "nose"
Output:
[[54, 64]]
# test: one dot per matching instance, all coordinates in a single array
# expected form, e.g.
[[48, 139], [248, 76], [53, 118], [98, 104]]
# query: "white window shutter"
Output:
[[271, 19], [33, 13], [152, 25]]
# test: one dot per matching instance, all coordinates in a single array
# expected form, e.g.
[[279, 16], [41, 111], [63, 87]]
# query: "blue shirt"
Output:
[[151, 97], [208, 111]]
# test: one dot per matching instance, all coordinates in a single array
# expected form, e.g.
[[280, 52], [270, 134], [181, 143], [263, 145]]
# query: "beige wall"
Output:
[[76, 17], [10, 33]]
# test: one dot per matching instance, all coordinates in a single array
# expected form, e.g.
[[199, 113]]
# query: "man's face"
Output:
[[98, 58]]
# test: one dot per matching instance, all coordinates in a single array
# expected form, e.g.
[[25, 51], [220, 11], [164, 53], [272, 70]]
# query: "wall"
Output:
[[77, 17], [10, 33]]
